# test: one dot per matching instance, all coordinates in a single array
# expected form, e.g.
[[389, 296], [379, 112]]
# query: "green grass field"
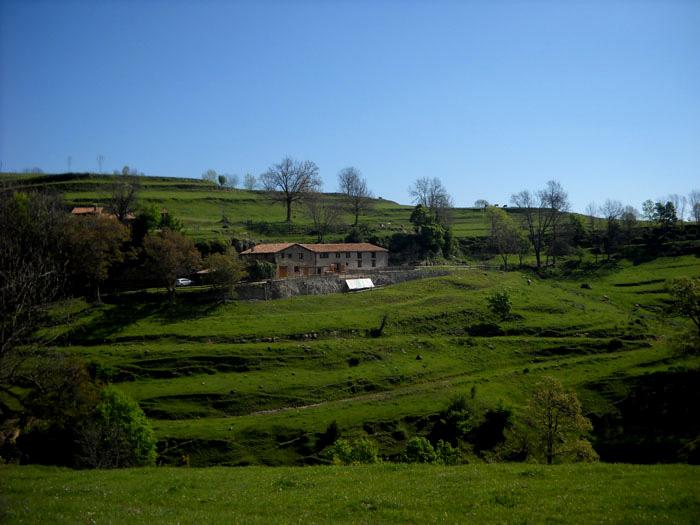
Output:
[[258, 383], [384, 493]]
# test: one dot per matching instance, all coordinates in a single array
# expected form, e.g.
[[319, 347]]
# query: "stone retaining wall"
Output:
[[323, 285]]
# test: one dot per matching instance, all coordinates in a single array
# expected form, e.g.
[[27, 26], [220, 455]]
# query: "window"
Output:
[[359, 264], [296, 269], [318, 271], [374, 264], [347, 255], [337, 255], [359, 255], [374, 255], [301, 256], [324, 256]]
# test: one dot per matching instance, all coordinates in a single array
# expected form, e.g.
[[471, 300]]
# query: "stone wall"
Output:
[[322, 285]]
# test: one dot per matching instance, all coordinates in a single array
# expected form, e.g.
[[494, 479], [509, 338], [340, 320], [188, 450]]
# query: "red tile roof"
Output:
[[268, 248], [87, 209], [318, 248], [346, 247]]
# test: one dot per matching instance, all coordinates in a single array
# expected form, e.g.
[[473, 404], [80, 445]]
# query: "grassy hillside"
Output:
[[259, 382], [201, 206], [373, 494]]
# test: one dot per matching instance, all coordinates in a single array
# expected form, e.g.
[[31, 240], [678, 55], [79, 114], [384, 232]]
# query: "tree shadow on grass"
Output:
[[126, 309]]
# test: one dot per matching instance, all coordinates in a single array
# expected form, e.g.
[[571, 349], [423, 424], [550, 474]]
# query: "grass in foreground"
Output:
[[385, 493]]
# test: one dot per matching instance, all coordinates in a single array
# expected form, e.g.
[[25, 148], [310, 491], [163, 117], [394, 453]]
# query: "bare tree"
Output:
[[592, 211], [541, 214], [694, 203], [433, 195], [357, 194], [629, 217], [289, 181], [324, 214], [679, 202], [250, 182], [232, 181], [209, 176], [612, 211], [122, 199]]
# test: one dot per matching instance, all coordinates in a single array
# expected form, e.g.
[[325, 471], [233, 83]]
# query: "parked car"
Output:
[[182, 281]]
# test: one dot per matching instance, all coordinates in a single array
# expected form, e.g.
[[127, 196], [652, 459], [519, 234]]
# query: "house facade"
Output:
[[305, 260]]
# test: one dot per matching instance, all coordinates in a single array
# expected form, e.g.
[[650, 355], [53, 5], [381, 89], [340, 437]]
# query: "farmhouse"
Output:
[[97, 210], [302, 260]]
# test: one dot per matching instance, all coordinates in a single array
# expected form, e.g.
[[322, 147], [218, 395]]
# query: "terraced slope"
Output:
[[259, 382]]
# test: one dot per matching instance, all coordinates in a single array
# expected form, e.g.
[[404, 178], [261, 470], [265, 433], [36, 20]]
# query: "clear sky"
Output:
[[491, 96]]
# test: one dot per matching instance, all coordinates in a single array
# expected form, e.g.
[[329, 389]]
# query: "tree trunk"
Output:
[[96, 299], [289, 211], [357, 216]]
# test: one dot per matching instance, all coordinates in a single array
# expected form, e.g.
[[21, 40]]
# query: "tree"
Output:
[[431, 235], [358, 196], [592, 211], [481, 203], [611, 210], [553, 424], [324, 214], [679, 203], [629, 218], [118, 434], [232, 181], [170, 255], [433, 195], [225, 270], [686, 291], [222, 180], [665, 215], [694, 204], [209, 176], [504, 235], [289, 181], [95, 243], [249, 182], [499, 304], [123, 194], [648, 210], [541, 214]]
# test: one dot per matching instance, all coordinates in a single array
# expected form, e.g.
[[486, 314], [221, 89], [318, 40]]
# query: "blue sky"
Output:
[[492, 97]]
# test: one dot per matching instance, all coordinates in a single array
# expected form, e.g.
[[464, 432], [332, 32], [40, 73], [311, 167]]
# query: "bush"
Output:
[[262, 270], [499, 304], [360, 452], [418, 450], [118, 434]]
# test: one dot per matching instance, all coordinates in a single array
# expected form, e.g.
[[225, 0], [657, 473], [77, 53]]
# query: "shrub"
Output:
[[118, 434], [262, 270], [499, 304], [360, 452], [418, 450], [446, 454]]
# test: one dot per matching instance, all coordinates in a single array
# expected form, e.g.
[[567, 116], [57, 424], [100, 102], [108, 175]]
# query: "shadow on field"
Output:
[[127, 309]]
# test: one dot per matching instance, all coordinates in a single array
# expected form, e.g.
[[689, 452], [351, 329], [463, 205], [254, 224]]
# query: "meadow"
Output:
[[385, 493], [258, 383]]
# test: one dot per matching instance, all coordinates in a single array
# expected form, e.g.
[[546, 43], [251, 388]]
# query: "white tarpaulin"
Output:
[[359, 284]]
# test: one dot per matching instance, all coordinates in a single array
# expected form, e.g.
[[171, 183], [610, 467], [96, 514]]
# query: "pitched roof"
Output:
[[345, 247], [268, 248], [318, 248], [88, 209]]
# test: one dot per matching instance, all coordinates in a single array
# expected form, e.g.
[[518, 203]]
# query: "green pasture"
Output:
[[384, 493]]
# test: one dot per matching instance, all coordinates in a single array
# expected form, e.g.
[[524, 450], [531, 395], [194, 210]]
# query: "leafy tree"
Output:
[[118, 434], [289, 181], [225, 270], [222, 180], [505, 235], [481, 203], [499, 304], [665, 215], [358, 197], [147, 220], [552, 426], [169, 256], [168, 221], [432, 237], [648, 210], [686, 291], [95, 246]]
